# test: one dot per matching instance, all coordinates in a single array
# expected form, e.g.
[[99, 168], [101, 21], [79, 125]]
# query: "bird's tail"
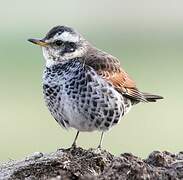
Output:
[[151, 97]]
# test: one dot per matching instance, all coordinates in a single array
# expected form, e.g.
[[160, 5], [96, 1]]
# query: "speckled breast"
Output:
[[78, 97]]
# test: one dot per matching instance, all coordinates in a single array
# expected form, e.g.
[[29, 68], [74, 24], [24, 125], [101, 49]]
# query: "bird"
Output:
[[84, 87]]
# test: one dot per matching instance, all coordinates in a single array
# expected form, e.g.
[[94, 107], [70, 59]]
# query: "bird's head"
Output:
[[60, 44]]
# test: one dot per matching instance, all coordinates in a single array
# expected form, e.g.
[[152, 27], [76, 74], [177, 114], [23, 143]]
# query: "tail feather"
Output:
[[151, 97]]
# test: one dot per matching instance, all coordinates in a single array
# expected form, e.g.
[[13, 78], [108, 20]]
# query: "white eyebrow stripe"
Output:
[[67, 36]]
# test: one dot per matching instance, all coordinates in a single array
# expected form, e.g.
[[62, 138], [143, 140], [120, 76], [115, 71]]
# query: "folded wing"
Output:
[[108, 67]]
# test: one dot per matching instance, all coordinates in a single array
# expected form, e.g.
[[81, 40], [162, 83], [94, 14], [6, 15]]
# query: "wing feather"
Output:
[[108, 67]]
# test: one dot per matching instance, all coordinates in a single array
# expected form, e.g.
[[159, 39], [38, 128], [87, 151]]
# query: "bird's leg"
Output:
[[101, 139], [75, 139]]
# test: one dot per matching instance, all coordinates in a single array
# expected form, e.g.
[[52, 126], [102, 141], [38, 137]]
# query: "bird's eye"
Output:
[[58, 42]]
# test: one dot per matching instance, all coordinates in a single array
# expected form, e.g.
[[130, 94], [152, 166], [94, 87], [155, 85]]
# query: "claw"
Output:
[[73, 146], [99, 147]]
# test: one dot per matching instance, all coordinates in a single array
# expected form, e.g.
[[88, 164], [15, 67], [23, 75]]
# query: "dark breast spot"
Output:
[[84, 89], [105, 112], [77, 85], [58, 89], [54, 94], [89, 79], [89, 88], [82, 101], [72, 83], [92, 116], [98, 123], [75, 92], [94, 103], [88, 101], [93, 109], [115, 121], [106, 124], [45, 86], [111, 112], [76, 72], [68, 92], [82, 82], [93, 74], [109, 119]]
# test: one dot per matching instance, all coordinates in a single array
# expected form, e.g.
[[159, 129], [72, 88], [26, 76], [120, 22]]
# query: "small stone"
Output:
[[35, 155]]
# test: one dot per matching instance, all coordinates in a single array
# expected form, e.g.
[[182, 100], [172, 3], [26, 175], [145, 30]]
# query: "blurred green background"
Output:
[[147, 36]]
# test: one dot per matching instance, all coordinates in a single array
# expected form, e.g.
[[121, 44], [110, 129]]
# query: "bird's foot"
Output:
[[73, 146], [99, 147]]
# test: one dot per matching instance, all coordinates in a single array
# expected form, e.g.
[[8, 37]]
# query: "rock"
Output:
[[92, 164]]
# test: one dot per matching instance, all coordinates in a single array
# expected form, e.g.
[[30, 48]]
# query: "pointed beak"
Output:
[[38, 42]]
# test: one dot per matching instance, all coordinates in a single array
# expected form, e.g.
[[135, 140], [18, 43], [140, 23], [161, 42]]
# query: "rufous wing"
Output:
[[108, 67]]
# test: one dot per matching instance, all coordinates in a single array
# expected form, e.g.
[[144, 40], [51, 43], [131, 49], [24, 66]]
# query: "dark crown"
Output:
[[58, 29]]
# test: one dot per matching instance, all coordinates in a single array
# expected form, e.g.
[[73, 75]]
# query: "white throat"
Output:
[[52, 60], [49, 59]]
